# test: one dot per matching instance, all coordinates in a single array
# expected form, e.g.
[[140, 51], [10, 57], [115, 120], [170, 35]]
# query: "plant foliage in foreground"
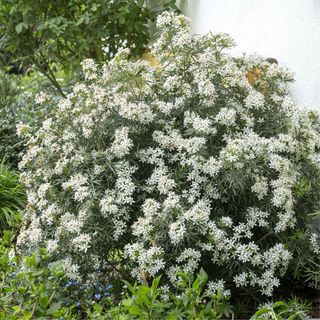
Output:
[[176, 164], [33, 288], [189, 300]]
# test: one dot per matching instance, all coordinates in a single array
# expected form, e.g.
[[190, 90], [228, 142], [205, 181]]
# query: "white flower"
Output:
[[52, 245], [190, 259], [241, 279], [150, 207], [41, 98], [198, 124], [260, 187], [226, 116], [22, 129], [315, 243], [206, 88], [90, 69], [108, 204], [177, 231], [82, 242], [217, 286], [254, 100], [121, 144], [71, 269]]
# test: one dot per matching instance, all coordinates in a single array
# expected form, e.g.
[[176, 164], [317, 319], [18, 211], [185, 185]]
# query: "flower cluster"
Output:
[[173, 164]]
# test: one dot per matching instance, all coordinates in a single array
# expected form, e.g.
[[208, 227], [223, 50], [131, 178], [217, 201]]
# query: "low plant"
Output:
[[32, 287], [12, 198], [191, 299], [10, 144], [292, 310], [31, 291], [29, 288]]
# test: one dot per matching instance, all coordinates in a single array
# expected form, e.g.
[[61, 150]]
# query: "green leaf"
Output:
[[200, 281], [262, 311], [135, 310], [43, 301], [155, 284], [19, 27], [81, 20], [140, 3], [129, 286], [54, 307], [278, 304]]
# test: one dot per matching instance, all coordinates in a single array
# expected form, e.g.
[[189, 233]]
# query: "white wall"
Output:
[[288, 30]]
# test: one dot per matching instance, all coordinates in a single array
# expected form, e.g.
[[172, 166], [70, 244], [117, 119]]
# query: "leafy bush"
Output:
[[48, 34], [31, 291], [175, 164], [33, 287], [12, 197]]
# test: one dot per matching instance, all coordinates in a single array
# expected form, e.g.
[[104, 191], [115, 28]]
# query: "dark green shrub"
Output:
[[12, 197], [177, 163], [10, 144]]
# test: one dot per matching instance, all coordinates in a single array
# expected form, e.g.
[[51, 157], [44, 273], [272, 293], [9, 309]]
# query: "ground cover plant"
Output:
[[169, 165]]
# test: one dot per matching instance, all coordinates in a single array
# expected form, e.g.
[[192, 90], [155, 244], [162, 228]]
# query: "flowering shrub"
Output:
[[174, 164]]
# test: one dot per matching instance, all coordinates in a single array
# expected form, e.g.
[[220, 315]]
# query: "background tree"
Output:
[[64, 32]]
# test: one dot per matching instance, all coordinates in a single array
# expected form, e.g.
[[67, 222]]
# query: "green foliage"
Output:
[[292, 310], [46, 33], [12, 197], [188, 300], [33, 288], [10, 144], [31, 291], [305, 265]]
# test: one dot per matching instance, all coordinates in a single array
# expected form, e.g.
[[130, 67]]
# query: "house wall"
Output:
[[288, 30]]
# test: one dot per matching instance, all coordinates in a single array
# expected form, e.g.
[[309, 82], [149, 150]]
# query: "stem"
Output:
[[33, 309], [55, 82], [49, 74], [53, 293]]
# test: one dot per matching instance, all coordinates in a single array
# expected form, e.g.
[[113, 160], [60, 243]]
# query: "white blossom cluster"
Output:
[[170, 165]]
